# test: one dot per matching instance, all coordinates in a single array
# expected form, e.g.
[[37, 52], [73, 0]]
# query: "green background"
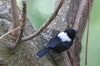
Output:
[[38, 11]]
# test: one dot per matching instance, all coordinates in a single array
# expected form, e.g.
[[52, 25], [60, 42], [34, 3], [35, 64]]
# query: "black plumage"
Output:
[[59, 43]]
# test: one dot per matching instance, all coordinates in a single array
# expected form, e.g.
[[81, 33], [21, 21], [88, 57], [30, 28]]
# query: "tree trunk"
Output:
[[24, 54]]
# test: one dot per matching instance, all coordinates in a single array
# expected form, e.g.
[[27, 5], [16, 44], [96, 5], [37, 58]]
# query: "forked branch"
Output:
[[23, 22], [45, 24]]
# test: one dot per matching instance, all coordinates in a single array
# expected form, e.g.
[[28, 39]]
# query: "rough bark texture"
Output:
[[24, 54]]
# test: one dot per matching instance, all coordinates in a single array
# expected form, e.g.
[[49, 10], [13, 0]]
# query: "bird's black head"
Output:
[[71, 33]]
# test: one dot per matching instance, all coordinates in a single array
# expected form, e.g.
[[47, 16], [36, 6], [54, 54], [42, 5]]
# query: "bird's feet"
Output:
[[58, 57]]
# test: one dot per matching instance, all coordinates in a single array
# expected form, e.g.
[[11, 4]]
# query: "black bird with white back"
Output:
[[59, 43]]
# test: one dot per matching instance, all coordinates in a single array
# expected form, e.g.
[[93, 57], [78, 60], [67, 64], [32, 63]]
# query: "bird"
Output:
[[59, 42]]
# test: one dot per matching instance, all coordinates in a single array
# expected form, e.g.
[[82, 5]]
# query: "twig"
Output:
[[18, 28], [87, 38], [45, 24], [14, 11], [23, 19], [86, 52]]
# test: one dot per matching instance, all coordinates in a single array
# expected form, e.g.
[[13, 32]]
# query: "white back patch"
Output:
[[64, 37]]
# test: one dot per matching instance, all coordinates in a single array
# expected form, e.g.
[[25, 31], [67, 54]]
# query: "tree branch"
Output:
[[79, 14], [14, 11], [76, 26], [44, 25], [18, 28], [15, 18], [26, 51], [23, 21]]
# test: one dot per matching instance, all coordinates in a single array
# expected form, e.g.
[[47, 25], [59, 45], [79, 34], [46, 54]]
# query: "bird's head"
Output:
[[71, 33]]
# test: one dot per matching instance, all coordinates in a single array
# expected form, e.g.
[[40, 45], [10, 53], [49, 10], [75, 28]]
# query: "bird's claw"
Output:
[[58, 57]]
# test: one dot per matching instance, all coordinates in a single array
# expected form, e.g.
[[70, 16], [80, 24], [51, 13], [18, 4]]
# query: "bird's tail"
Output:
[[42, 52]]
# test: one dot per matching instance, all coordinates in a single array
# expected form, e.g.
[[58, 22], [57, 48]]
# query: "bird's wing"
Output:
[[55, 41], [68, 44]]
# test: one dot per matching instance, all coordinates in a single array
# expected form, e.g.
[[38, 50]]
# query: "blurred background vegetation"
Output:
[[38, 11]]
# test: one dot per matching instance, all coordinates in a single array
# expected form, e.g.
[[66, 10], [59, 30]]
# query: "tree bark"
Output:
[[24, 54]]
